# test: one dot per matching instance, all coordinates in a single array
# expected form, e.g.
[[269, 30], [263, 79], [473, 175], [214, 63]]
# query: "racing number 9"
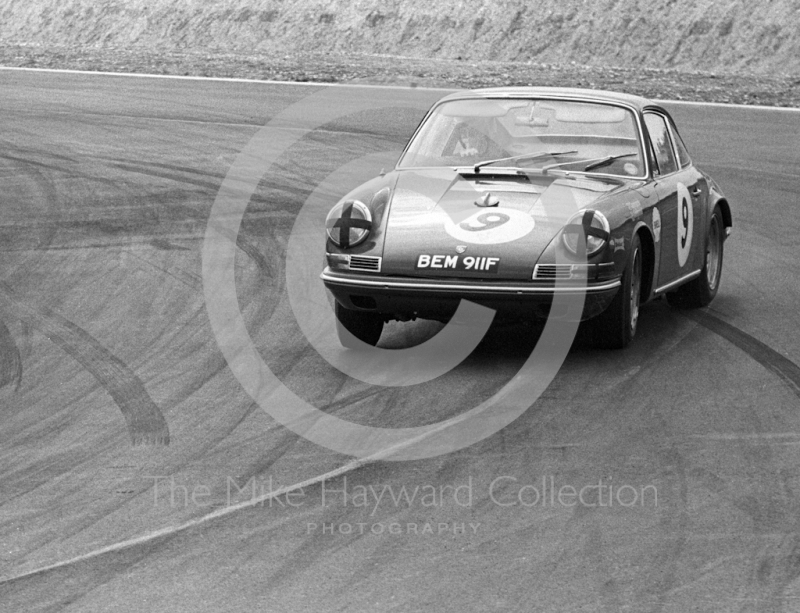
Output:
[[685, 223], [485, 221]]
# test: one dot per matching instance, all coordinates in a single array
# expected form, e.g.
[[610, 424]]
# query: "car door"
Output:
[[678, 191], [697, 203]]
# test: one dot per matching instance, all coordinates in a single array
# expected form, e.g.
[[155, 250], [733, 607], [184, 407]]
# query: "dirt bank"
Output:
[[731, 36]]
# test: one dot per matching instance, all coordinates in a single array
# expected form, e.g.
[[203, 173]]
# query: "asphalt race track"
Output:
[[129, 450]]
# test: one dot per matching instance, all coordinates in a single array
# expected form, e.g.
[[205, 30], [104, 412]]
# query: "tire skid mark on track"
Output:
[[111, 243], [10, 359], [242, 240], [669, 578], [172, 172], [214, 364], [146, 423], [189, 279], [176, 173], [786, 370], [45, 191], [34, 162], [27, 163], [32, 151], [308, 552], [252, 251], [122, 162], [163, 244], [135, 168], [202, 375]]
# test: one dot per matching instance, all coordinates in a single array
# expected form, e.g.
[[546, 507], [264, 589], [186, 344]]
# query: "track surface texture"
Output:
[[120, 421]]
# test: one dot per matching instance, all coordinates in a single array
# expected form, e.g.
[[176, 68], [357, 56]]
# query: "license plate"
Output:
[[460, 263]]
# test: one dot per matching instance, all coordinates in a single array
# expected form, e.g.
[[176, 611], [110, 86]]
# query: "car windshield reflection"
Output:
[[581, 137]]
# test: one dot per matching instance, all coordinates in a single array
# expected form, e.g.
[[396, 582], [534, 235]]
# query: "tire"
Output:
[[366, 326], [700, 292], [616, 326]]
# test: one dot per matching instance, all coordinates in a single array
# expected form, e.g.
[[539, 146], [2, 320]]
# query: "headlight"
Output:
[[593, 225], [348, 223]]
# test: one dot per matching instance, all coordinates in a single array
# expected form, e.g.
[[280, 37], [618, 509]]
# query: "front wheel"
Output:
[[366, 326], [700, 292], [616, 326]]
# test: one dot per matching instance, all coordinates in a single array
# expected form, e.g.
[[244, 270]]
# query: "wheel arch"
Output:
[[649, 260], [725, 209]]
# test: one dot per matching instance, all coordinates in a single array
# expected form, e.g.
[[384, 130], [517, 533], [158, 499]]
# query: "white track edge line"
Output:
[[223, 79], [222, 512], [230, 509], [760, 107]]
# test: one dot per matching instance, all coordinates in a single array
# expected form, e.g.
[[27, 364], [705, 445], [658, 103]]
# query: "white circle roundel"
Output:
[[685, 224], [490, 226]]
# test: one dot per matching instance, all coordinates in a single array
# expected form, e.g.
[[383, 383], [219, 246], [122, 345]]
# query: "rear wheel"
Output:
[[366, 326], [700, 292], [616, 326]]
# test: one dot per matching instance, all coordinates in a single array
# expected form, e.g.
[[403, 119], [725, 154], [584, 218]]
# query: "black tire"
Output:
[[700, 292], [615, 327], [364, 325]]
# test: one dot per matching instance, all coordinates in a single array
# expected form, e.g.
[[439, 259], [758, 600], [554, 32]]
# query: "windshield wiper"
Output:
[[607, 160], [595, 163], [525, 156]]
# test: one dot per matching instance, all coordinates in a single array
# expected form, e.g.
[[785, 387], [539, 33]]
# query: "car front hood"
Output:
[[438, 212]]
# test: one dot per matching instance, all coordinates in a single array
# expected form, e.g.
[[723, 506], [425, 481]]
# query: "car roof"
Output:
[[572, 93]]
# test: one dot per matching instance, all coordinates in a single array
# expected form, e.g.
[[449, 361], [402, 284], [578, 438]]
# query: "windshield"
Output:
[[485, 133]]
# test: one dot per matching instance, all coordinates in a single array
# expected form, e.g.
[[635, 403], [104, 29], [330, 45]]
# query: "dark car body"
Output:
[[510, 196]]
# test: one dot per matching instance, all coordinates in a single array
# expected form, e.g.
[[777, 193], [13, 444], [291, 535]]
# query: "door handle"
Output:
[[695, 191]]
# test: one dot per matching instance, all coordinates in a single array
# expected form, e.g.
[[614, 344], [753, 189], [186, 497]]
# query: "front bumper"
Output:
[[406, 298]]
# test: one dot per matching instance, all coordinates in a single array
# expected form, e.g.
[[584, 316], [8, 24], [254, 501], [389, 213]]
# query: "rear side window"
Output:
[[683, 153], [659, 136]]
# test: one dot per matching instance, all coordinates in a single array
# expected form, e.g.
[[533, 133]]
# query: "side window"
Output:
[[683, 153], [659, 136]]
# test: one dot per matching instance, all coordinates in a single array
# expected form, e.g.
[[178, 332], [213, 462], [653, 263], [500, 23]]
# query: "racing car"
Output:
[[514, 197]]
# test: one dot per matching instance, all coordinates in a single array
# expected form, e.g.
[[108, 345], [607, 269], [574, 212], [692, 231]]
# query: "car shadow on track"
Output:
[[510, 340]]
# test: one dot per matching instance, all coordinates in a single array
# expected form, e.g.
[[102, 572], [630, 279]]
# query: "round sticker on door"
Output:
[[490, 227], [685, 224], [656, 224]]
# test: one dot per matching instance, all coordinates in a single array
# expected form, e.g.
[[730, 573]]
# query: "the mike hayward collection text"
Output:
[[505, 491]]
